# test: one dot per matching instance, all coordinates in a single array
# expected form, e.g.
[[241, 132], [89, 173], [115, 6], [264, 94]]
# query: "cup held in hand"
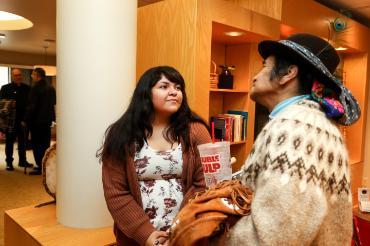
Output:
[[215, 158]]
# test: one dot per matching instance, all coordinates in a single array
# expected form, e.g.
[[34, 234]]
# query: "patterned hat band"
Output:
[[342, 107]]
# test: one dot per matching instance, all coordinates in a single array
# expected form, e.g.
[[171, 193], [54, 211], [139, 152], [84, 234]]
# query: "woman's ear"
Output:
[[291, 74]]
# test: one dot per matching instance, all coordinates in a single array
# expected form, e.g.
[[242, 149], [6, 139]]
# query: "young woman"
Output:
[[151, 164]]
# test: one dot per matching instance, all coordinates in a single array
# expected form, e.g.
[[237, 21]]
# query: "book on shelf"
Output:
[[231, 126], [244, 123], [223, 127]]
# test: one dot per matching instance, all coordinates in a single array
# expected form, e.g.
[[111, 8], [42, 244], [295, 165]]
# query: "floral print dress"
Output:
[[159, 175]]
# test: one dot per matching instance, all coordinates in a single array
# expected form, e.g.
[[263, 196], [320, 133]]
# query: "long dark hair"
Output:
[[135, 125]]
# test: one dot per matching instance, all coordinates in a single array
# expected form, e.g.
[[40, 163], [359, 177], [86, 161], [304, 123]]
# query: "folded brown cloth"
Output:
[[210, 214]]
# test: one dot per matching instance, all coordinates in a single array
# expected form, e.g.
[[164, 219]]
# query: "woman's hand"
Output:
[[156, 238], [167, 241]]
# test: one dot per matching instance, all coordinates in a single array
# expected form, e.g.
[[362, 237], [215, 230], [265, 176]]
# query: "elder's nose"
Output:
[[254, 79]]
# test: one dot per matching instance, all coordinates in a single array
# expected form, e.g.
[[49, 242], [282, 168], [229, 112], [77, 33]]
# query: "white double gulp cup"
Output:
[[215, 158]]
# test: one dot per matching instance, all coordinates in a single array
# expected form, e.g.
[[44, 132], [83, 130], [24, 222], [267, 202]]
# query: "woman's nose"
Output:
[[173, 91]]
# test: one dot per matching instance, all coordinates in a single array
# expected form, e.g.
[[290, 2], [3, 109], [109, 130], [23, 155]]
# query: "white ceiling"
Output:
[[43, 15]]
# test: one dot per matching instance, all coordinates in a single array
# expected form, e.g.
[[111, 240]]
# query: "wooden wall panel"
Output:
[[356, 182], [216, 104], [271, 8], [166, 32], [366, 170], [312, 17], [202, 60], [238, 56], [354, 66], [231, 14]]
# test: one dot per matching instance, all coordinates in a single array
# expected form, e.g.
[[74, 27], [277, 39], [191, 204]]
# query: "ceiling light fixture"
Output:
[[10, 21], [234, 34]]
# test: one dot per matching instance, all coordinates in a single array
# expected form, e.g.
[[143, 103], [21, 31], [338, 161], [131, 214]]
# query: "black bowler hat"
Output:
[[321, 59]]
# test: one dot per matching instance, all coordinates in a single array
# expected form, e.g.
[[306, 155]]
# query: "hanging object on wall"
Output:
[[49, 69], [339, 24], [337, 30]]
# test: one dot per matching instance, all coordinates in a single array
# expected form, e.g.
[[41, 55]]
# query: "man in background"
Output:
[[17, 92], [40, 113]]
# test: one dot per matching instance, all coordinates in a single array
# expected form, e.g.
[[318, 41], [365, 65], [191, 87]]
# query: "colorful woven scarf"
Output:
[[328, 100]]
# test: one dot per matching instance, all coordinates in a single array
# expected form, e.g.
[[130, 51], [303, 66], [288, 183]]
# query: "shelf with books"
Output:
[[234, 103], [230, 126], [238, 142]]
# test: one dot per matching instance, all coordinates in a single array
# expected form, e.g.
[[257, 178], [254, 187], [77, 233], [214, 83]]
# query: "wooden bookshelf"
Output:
[[228, 90], [242, 54], [239, 142]]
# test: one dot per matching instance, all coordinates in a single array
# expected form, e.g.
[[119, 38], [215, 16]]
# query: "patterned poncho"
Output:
[[298, 169]]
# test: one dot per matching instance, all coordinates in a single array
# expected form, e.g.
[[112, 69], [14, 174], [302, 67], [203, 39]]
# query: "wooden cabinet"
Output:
[[234, 51]]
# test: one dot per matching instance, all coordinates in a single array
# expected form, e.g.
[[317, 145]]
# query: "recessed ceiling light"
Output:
[[234, 34], [2, 35], [340, 48], [9, 21]]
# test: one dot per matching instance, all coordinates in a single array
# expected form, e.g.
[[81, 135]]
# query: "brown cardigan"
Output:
[[123, 197]]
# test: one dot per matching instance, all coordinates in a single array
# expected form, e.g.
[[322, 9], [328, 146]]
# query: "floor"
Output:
[[17, 189]]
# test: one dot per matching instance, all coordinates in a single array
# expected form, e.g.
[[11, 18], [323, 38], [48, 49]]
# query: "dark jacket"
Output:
[[19, 94], [41, 104]]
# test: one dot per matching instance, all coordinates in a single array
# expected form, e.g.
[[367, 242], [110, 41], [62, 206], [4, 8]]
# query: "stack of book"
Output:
[[231, 126]]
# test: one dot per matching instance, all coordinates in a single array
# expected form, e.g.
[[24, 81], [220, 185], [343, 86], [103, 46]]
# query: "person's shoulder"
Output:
[[199, 132], [197, 127], [305, 111], [309, 115], [6, 86]]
